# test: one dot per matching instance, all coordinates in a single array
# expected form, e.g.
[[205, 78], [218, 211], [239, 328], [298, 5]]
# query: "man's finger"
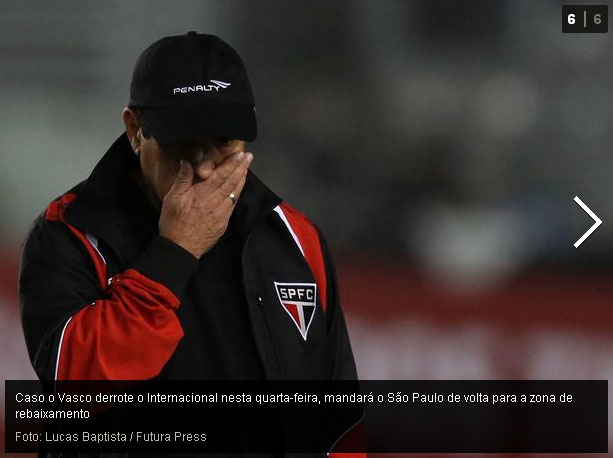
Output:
[[184, 178], [224, 170], [231, 184], [225, 210], [226, 176], [237, 191]]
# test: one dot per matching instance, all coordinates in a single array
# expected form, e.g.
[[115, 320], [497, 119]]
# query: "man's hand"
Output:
[[196, 215]]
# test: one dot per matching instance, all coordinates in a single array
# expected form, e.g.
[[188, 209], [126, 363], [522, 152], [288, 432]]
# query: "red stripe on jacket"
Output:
[[130, 335], [309, 240]]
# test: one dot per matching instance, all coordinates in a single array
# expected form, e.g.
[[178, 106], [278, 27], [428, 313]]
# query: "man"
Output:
[[172, 260]]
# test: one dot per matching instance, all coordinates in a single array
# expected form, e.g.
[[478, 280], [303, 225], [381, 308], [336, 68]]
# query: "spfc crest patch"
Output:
[[299, 301]]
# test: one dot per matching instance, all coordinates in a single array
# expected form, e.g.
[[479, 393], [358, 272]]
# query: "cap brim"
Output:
[[175, 125]]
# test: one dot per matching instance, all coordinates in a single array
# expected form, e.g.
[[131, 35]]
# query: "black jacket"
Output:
[[103, 296]]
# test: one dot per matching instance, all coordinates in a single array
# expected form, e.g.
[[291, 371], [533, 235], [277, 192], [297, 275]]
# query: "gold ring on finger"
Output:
[[232, 197]]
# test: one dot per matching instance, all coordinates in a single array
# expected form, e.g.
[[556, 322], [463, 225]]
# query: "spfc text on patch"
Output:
[[299, 301]]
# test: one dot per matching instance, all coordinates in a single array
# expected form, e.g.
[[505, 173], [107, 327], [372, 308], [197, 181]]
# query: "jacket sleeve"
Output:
[[77, 328]]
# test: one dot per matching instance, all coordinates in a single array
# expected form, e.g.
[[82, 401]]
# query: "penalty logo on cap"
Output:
[[202, 87], [299, 302]]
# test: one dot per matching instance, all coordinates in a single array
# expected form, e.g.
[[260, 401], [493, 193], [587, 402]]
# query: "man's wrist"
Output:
[[168, 263], [194, 252]]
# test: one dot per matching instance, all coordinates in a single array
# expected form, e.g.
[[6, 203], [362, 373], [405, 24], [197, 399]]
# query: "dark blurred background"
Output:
[[438, 144]]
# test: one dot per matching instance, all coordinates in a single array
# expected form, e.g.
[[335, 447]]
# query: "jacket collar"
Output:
[[112, 206]]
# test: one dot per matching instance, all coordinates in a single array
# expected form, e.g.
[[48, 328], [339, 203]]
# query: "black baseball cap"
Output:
[[193, 86]]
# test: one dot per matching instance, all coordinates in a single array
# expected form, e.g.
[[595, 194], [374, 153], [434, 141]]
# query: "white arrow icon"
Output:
[[597, 223]]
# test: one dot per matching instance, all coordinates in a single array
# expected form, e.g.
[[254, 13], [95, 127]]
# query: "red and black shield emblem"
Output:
[[299, 301]]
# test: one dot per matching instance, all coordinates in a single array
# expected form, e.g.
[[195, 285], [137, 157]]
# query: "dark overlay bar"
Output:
[[501, 416]]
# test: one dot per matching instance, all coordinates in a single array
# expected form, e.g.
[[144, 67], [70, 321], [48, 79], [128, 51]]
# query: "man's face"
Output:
[[160, 163]]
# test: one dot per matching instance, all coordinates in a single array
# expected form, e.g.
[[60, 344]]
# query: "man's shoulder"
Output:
[[49, 241], [296, 219], [305, 233], [49, 222], [56, 208]]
